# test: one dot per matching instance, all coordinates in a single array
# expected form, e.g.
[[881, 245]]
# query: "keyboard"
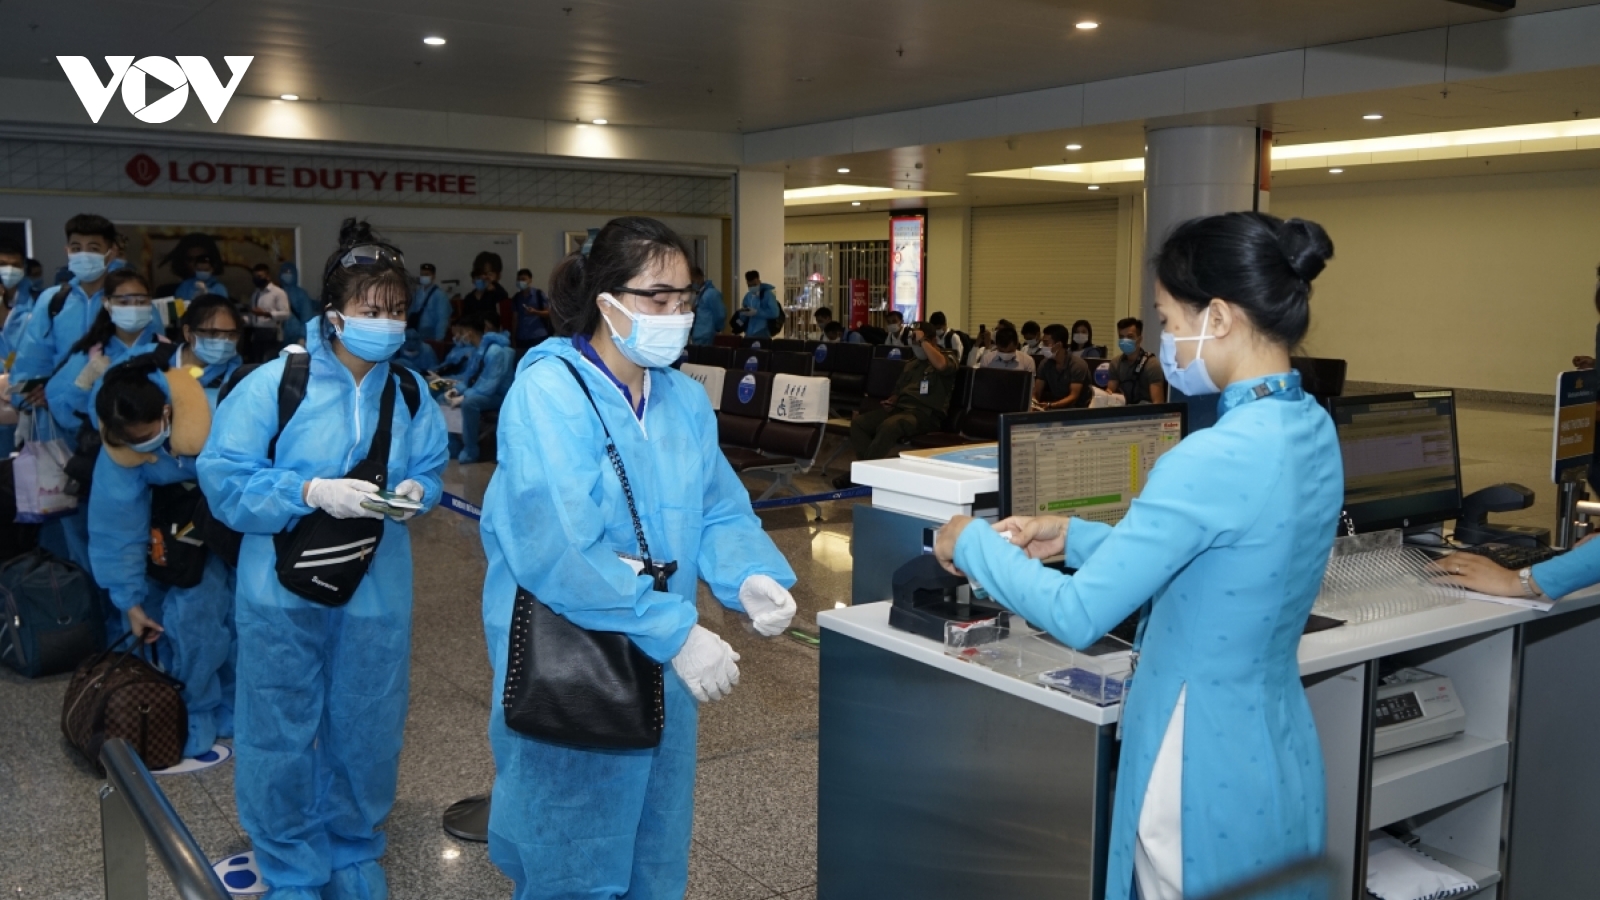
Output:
[[1509, 557]]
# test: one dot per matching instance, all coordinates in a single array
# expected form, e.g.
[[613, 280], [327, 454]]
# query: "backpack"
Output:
[[52, 618], [968, 345], [177, 544], [873, 335], [80, 468], [219, 538]]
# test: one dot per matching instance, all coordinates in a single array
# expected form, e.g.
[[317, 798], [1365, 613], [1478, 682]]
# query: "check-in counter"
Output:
[[940, 778]]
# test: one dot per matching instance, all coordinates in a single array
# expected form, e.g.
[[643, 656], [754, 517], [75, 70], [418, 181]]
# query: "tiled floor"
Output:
[[755, 820]]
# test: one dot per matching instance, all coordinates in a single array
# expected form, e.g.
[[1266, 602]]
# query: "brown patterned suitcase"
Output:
[[123, 695]]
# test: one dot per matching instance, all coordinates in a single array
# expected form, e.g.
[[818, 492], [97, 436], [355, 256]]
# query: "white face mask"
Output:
[[1080, 338], [1007, 355], [10, 276], [655, 341]]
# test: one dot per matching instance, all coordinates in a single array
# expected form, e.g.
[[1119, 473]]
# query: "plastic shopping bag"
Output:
[[40, 473]]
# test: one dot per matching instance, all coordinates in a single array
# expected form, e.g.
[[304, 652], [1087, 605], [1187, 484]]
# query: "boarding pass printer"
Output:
[[1415, 708]]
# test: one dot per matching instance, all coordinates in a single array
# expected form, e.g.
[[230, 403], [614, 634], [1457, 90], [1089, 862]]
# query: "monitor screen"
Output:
[[1402, 467], [1088, 463]]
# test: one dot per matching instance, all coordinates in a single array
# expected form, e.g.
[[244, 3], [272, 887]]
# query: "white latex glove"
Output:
[[707, 665], [770, 607], [342, 497], [412, 490], [91, 371], [453, 398]]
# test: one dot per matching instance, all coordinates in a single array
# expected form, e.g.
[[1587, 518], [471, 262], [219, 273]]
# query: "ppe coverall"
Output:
[[575, 823], [322, 691]]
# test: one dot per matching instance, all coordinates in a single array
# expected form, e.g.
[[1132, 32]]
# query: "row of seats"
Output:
[[756, 444]]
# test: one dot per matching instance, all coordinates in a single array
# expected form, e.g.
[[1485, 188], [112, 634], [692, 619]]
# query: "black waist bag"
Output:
[[177, 545], [323, 559]]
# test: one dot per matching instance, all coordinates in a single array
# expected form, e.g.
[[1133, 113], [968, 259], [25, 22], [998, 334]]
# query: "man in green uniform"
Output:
[[917, 406]]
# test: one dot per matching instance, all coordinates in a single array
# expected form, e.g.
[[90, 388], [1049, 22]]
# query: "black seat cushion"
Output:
[[883, 376], [734, 430], [792, 439], [743, 459], [791, 363]]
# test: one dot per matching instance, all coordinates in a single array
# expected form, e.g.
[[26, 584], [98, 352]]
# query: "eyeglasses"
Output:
[[371, 254], [666, 301]]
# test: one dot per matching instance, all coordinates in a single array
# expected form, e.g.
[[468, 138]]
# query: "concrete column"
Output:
[[949, 246], [758, 233], [1192, 171]]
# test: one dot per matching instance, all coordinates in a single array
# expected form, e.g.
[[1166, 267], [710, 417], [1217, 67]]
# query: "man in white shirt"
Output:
[[269, 307], [1006, 353]]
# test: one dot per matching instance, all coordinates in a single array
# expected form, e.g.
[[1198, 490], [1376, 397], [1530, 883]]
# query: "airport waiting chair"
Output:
[[741, 417], [786, 345], [847, 366], [747, 359], [881, 377], [995, 392], [791, 362], [757, 445], [1322, 378], [717, 357], [727, 340], [891, 351], [949, 431]]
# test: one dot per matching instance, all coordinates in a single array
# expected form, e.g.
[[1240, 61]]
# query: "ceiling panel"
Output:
[[717, 65]]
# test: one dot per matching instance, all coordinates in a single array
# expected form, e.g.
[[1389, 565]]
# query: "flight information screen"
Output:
[[1092, 468]]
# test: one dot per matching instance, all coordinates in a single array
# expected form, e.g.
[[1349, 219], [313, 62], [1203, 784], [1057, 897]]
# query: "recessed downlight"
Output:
[[1335, 171], [1094, 187], [600, 121], [433, 41], [855, 202], [844, 170], [1074, 146], [1088, 26], [1373, 117], [288, 96]]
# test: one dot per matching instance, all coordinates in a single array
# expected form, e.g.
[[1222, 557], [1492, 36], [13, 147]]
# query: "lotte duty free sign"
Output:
[[145, 171]]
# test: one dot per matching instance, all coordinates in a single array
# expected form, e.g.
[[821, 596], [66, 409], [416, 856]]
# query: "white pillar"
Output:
[[758, 233], [1192, 171]]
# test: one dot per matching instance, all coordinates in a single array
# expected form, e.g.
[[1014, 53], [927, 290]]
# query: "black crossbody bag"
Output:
[[323, 559], [591, 689]]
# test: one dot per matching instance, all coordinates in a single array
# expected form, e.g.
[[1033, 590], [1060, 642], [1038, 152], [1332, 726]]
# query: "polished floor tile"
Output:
[[755, 817]]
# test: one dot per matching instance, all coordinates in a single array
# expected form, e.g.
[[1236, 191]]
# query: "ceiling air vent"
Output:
[[618, 81]]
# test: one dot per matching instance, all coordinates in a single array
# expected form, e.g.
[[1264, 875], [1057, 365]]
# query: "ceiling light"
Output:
[[1094, 187], [288, 96], [1372, 117], [600, 121], [1335, 171], [1088, 26], [1074, 146], [843, 170], [434, 41], [855, 202]]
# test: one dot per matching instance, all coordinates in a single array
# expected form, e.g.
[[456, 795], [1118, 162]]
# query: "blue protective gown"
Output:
[[710, 315], [432, 309], [197, 647], [48, 341], [322, 691], [554, 521], [69, 404], [1574, 570], [484, 389], [763, 300], [415, 354], [215, 375], [190, 287], [302, 306], [1230, 537], [16, 322]]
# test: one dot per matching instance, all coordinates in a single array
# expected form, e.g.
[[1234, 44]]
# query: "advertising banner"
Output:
[[907, 248]]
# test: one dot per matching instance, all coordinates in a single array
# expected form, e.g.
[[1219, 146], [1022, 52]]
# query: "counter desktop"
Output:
[[939, 777]]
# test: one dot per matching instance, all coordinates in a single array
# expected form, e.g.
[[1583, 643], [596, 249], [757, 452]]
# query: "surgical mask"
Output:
[[1080, 338], [38, 284], [10, 276], [286, 277], [86, 266], [1032, 345], [154, 443], [919, 352], [480, 284], [1193, 380], [131, 318], [424, 280], [1007, 356], [655, 341], [374, 340], [261, 281], [214, 350], [524, 285], [201, 275], [1127, 346]]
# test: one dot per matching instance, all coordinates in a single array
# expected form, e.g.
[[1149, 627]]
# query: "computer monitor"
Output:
[[1402, 465], [1088, 463]]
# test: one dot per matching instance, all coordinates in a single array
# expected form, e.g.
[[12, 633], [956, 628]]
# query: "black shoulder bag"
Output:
[[323, 559], [591, 689]]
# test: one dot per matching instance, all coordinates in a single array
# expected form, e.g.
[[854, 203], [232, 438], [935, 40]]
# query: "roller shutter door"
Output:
[[1055, 263]]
